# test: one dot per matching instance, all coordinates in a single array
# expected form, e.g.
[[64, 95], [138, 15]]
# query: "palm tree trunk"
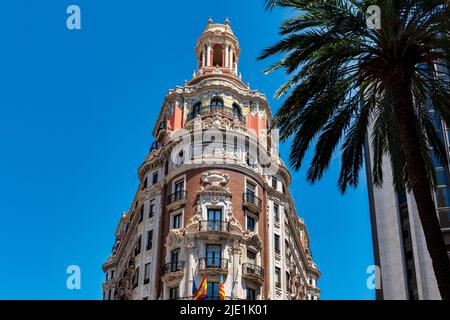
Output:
[[415, 166]]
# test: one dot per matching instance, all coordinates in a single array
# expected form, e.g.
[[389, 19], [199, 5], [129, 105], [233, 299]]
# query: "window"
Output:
[[212, 291], [136, 278], [147, 273], [151, 211], [217, 56], [216, 103], [137, 250], [174, 260], [145, 183], [236, 110], [442, 177], [141, 214], [250, 223], [251, 257], [179, 190], [109, 295], [274, 183], [251, 294], [176, 221], [149, 239], [196, 109], [235, 144], [155, 177], [215, 219], [288, 282], [112, 274], [277, 243], [251, 188], [277, 277], [251, 192], [276, 212], [213, 255], [173, 293], [287, 251], [442, 197]]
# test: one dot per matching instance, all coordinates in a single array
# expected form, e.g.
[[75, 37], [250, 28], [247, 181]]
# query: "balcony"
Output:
[[213, 266], [214, 226], [252, 202], [227, 112], [172, 272], [253, 272], [176, 200]]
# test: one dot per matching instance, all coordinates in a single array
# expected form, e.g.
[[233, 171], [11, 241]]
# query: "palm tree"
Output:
[[348, 78]]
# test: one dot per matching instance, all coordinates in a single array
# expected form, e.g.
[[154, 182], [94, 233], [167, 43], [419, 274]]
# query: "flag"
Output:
[[202, 290], [221, 288], [194, 287]]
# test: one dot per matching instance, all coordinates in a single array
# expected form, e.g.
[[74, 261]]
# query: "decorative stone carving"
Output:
[[175, 238], [193, 224], [215, 178], [252, 240]]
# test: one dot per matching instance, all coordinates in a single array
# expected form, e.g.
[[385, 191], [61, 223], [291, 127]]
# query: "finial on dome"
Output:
[[210, 20], [227, 22]]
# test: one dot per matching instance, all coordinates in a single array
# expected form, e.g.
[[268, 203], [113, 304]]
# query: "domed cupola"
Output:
[[217, 49]]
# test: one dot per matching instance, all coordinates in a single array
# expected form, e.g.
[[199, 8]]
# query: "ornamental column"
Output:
[[226, 56], [203, 57], [208, 58]]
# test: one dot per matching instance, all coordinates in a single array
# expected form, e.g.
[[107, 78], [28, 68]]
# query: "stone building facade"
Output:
[[213, 197]]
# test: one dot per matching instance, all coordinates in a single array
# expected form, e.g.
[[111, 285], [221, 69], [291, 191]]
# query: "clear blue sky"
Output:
[[77, 110]]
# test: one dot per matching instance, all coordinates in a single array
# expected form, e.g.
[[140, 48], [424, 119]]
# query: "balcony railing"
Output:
[[172, 267], [252, 199], [177, 196], [213, 263], [251, 269], [214, 225], [207, 110]]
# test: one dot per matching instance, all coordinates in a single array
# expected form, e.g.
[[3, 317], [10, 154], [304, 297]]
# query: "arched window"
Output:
[[217, 55], [200, 60], [216, 103], [236, 110], [196, 109]]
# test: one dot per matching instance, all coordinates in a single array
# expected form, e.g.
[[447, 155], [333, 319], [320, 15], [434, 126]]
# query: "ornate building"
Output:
[[213, 197]]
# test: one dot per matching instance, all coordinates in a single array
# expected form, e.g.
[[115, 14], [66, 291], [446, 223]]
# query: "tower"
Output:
[[213, 199]]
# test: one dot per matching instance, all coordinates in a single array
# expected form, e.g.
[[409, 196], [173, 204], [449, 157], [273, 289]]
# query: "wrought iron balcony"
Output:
[[213, 265], [177, 266], [214, 225], [177, 196], [252, 202], [253, 272]]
